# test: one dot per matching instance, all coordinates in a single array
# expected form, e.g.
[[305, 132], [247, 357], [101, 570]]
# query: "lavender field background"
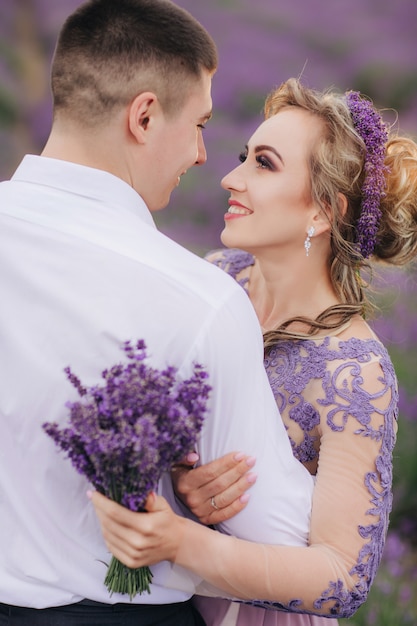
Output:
[[367, 45]]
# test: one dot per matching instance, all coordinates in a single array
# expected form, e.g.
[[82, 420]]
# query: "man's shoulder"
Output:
[[204, 278]]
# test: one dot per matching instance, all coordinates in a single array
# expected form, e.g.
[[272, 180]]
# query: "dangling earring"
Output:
[[307, 243]]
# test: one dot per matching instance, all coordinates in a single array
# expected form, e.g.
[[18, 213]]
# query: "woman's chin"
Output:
[[228, 240]]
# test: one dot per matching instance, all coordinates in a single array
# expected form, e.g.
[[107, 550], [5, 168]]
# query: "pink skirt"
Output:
[[217, 612]]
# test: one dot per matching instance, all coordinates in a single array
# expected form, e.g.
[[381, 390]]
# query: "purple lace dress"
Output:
[[338, 400]]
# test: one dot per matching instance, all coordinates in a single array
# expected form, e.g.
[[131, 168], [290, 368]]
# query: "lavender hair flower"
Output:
[[124, 434], [369, 125]]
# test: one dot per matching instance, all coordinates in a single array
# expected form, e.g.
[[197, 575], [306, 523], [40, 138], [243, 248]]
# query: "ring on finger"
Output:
[[213, 503]]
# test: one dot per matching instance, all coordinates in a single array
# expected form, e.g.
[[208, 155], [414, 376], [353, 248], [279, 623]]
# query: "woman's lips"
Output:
[[237, 210]]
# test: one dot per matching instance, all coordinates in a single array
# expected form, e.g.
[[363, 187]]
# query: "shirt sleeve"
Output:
[[244, 417]]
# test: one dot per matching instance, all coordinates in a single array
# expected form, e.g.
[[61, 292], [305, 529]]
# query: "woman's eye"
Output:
[[263, 162]]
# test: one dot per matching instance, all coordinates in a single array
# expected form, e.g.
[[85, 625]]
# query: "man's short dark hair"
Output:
[[109, 51]]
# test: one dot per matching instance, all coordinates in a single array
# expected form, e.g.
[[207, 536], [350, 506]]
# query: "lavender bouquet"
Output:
[[123, 435]]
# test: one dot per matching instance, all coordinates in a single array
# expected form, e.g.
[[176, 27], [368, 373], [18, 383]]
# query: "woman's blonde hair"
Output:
[[337, 167]]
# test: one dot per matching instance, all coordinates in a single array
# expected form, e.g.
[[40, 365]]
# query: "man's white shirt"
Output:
[[83, 269]]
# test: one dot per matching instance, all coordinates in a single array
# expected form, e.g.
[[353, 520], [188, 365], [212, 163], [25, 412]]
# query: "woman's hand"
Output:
[[214, 492], [138, 539]]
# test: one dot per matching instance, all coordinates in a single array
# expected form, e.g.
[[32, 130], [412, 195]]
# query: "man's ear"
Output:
[[142, 111]]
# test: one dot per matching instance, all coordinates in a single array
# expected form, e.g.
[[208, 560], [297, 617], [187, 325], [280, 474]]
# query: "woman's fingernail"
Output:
[[192, 457], [239, 456], [89, 494], [250, 461], [251, 477], [244, 498]]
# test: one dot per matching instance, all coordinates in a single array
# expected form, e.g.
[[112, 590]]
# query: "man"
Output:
[[83, 269]]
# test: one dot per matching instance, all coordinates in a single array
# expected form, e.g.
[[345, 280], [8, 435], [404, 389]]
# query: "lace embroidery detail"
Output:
[[332, 370], [233, 262], [304, 451]]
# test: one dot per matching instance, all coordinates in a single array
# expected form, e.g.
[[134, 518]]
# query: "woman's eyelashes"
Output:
[[262, 161]]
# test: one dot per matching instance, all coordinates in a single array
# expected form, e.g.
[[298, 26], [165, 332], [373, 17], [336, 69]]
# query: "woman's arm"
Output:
[[351, 503]]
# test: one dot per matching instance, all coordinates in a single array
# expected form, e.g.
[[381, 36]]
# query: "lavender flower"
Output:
[[123, 435], [369, 125]]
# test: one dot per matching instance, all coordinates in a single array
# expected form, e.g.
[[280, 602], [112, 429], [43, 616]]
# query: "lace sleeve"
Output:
[[356, 399], [352, 496], [232, 261]]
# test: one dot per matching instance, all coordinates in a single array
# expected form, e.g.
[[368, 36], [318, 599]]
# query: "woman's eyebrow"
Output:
[[263, 147]]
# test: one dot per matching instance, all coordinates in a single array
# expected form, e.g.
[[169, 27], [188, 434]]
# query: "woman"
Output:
[[320, 190]]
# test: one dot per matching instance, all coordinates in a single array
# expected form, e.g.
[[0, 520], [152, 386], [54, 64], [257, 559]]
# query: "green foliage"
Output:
[[393, 598], [396, 89], [404, 513], [8, 108], [249, 104]]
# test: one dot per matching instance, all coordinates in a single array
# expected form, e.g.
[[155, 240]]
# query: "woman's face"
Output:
[[270, 203]]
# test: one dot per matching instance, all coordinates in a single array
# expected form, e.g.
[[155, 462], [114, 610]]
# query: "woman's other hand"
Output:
[[139, 539], [217, 491]]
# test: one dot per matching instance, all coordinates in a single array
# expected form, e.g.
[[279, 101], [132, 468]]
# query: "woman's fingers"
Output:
[[138, 539], [205, 474], [228, 503], [225, 479], [189, 461], [116, 528]]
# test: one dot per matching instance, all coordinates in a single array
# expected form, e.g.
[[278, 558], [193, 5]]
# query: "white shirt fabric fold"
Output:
[[83, 269]]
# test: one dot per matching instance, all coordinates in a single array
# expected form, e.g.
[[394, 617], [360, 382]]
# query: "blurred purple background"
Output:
[[366, 45]]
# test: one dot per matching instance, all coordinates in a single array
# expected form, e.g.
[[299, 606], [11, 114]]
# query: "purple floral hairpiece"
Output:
[[369, 125]]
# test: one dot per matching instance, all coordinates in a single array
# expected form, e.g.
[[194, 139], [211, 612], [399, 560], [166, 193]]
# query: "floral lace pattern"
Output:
[[321, 379], [233, 262]]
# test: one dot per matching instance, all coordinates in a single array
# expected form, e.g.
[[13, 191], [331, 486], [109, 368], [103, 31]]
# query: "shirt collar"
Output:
[[81, 180]]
